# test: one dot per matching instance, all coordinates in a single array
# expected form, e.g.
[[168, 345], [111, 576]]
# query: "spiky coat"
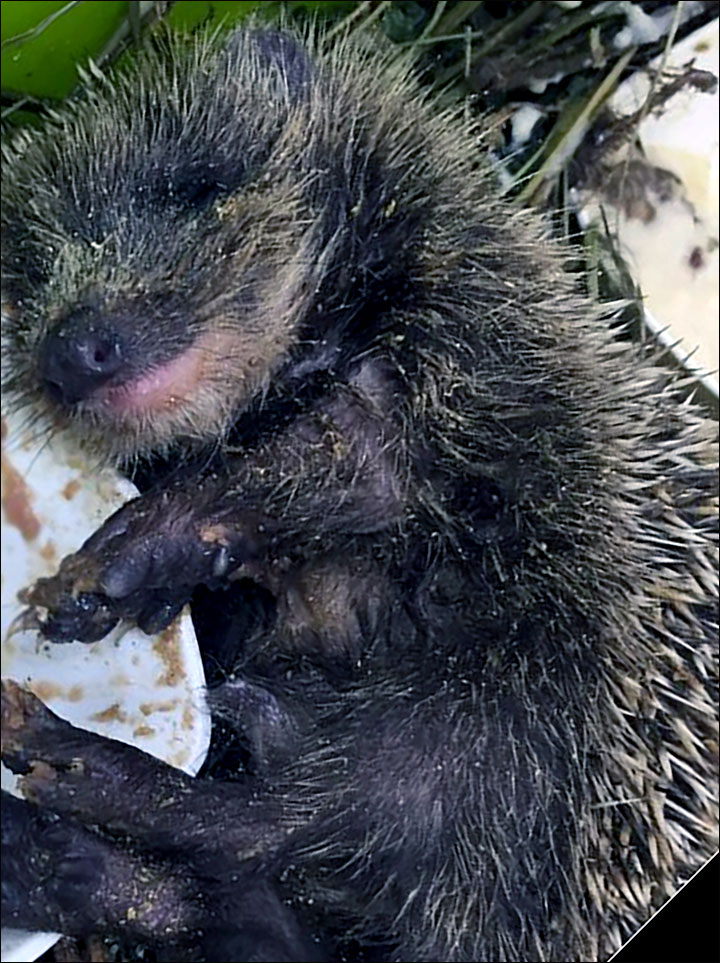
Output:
[[492, 547]]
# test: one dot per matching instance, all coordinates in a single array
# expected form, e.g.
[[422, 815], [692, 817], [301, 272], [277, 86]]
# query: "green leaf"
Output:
[[43, 41]]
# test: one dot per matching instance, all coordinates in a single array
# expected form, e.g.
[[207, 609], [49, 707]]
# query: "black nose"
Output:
[[77, 358]]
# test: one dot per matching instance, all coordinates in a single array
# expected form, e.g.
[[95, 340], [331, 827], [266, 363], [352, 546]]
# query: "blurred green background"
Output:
[[44, 41]]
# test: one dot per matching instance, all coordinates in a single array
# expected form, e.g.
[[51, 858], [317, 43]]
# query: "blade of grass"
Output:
[[139, 13], [455, 18], [572, 22], [499, 36], [358, 18], [663, 63], [564, 138], [433, 21], [40, 27], [347, 21]]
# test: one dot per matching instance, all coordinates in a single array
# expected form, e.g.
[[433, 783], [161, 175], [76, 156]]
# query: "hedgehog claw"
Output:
[[26, 621]]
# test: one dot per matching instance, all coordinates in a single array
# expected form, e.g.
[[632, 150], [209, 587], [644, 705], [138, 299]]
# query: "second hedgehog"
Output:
[[478, 712]]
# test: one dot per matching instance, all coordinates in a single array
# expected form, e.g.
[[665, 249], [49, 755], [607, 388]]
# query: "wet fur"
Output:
[[481, 722]]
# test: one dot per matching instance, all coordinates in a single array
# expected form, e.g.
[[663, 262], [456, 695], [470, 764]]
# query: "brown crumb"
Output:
[[71, 489], [696, 259], [112, 713], [167, 646], [16, 502]]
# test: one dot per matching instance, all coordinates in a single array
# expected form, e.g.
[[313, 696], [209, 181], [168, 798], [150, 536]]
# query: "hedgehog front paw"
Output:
[[141, 566]]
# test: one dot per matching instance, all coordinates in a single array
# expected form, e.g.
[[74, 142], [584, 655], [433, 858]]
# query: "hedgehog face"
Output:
[[157, 242]]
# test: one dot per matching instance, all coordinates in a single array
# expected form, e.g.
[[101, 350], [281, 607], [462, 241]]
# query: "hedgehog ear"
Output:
[[288, 56]]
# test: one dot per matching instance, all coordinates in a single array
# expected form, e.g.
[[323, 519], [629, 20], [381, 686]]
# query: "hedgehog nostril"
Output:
[[76, 361], [96, 354]]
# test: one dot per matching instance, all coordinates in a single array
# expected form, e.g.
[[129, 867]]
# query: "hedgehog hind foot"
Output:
[[58, 875], [110, 840]]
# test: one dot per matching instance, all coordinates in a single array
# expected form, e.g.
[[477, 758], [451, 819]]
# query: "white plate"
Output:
[[146, 691], [681, 301]]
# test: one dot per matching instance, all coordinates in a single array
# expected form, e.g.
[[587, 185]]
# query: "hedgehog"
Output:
[[270, 276]]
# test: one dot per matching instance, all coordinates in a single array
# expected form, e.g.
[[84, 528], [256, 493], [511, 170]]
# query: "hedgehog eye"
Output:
[[196, 191]]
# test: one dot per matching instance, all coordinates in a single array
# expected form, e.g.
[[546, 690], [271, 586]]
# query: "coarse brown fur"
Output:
[[480, 718]]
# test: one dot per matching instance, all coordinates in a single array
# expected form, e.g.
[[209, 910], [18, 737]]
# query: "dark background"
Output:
[[685, 929]]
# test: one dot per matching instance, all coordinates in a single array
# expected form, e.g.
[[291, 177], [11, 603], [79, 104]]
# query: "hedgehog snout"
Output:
[[78, 358]]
